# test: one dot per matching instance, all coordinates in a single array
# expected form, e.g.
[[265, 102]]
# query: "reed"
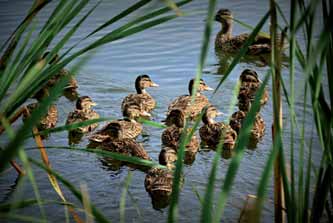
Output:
[[21, 70]]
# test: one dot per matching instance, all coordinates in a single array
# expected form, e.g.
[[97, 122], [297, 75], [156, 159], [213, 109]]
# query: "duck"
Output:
[[118, 143], [192, 110], [48, 121], [228, 43], [72, 82], [258, 129], [211, 131], [142, 98], [83, 112], [172, 134], [249, 85], [129, 127], [158, 183]]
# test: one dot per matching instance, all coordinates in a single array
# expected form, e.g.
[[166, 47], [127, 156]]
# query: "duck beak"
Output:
[[93, 104], [229, 141], [219, 113], [146, 114], [154, 85], [207, 88]]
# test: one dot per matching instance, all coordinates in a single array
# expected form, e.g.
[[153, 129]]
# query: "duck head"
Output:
[[202, 86], [210, 113], [84, 103], [142, 82], [224, 16], [176, 117], [236, 120], [249, 75], [114, 130]]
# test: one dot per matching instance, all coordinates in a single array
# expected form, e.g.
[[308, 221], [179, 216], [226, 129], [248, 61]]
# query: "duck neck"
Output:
[[226, 29], [207, 120]]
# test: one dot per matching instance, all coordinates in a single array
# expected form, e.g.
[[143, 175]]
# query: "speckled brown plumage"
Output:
[[130, 129], [83, 112], [158, 183], [258, 129], [141, 98], [127, 147], [46, 122], [250, 84], [228, 43], [211, 132], [192, 110]]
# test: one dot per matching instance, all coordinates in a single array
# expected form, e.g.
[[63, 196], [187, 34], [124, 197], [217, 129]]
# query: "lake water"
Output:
[[168, 53]]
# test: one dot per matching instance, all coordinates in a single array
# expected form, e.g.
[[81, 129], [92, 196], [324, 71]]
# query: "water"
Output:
[[169, 53]]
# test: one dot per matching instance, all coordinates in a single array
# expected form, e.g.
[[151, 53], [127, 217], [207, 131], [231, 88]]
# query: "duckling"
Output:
[[250, 84], [232, 44], [47, 121], [141, 98], [211, 131], [72, 83], [258, 129], [120, 144], [192, 110], [83, 112], [158, 183], [129, 126], [168, 157], [172, 134]]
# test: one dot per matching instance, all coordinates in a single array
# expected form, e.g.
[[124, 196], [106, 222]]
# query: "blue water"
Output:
[[169, 53]]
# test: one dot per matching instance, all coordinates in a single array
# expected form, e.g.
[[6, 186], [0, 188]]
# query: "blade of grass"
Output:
[[99, 217], [23, 157], [123, 197], [206, 214]]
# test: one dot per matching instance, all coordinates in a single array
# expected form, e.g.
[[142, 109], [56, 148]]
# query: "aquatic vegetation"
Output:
[[300, 195]]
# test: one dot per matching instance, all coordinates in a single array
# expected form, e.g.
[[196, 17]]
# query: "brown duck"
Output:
[[158, 184], [212, 131], [192, 110], [258, 129], [228, 43], [119, 144], [47, 121], [250, 83], [129, 127], [142, 98], [83, 112]]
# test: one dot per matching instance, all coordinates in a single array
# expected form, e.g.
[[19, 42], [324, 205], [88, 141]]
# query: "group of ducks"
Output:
[[119, 135]]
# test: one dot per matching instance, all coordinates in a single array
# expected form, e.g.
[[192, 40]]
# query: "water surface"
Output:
[[169, 53]]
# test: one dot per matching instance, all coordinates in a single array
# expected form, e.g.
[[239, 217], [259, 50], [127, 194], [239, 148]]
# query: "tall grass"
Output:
[[21, 76]]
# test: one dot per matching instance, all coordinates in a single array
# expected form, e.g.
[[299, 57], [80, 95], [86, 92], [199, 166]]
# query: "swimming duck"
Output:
[[72, 83], [192, 110], [250, 84], [172, 134], [258, 129], [211, 131], [120, 144], [129, 127], [47, 121], [141, 98], [83, 112], [228, 43], [158, 183]]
